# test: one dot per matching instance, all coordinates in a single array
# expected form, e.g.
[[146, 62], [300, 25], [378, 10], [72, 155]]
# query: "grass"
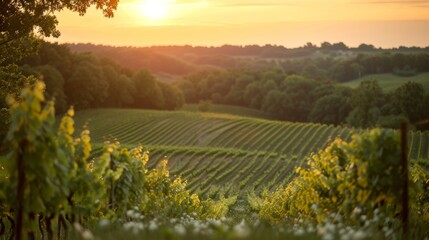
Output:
[[221, 152], [228, 109], [389, 82]]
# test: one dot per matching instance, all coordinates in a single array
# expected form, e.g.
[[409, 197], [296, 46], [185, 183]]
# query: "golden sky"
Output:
[[386, 23]]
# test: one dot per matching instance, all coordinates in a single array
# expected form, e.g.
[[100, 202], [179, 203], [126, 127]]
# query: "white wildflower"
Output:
[[357, 211], [128, 226], [359, 235], [241, 230], [310, 229], [216, 223], [87, 235], [153, 226], [130, 213], [345, 236], [180, 229], [77, 227], [327, 237], [330, 228], [299, 232], [104, 223], [321, 230]]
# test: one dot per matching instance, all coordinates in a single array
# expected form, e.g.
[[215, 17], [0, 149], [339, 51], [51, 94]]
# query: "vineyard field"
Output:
[[221, 152], [228, 109]]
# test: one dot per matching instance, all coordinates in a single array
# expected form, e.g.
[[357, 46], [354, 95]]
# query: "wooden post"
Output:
[[404, 163], [20, 191], [111, 193]]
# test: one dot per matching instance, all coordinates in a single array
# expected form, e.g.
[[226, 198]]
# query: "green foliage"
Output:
[[419, 176], [137, 58], [392, 121], [124, 177], [173, 97], [332, 108], [13, 51], [308, 98], [21, 19], [411, 101], [54, 82], [37, 168], [50, 173], [366, 101], [165, 197], [203, 147], [11, 81], [85, 80], [341, 179], [148, 93], [228, 109], [333, 61], [204, 106], [86, 87], [390, 82]]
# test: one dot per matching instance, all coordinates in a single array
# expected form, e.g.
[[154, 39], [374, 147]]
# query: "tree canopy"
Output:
[[23, 18]]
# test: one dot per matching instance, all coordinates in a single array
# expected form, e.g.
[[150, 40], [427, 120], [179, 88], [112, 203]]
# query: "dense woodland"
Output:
[[298, 98], [87, 81], [335, 62], [298, 89]]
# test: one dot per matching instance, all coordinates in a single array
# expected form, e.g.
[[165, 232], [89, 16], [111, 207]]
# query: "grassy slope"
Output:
[[390, 82], [194, 129], [219, 152], [228, 109]]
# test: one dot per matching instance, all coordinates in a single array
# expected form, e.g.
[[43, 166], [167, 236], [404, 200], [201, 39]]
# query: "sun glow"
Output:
[[155, 9]]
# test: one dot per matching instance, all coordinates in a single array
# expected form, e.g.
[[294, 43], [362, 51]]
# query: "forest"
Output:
[[299, 89], [87, 81]]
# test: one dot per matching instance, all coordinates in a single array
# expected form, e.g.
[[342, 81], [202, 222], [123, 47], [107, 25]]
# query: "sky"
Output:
[[292, 23]]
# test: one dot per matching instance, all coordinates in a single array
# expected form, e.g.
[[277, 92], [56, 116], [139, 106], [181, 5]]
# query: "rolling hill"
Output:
[[221, 152], [390, 82], [229, 109]]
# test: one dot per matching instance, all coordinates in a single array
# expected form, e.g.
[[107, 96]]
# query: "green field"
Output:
[[390, 81], [219, 152], [228, 109]]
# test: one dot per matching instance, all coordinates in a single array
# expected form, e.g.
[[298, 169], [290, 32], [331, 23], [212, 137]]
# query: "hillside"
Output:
[[220, 152], [390, 82], [229, 109]]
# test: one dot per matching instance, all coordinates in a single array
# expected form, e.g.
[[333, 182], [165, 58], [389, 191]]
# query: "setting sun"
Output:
[[155, 9]]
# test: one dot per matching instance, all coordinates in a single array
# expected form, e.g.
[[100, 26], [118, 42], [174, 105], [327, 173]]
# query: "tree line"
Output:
[[267, 50], [87, 81], [334, 61], [301, 90], [349, 68], [299, 98]]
